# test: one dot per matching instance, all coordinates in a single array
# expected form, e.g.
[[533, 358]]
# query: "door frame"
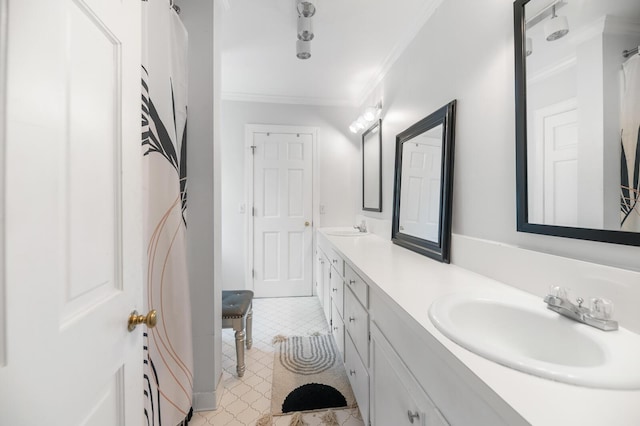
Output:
[[3, 98], [249, 130]]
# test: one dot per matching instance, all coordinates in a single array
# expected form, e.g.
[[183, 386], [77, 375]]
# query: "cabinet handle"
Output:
[[352, 319], [335, 328], [413, 416], [353, 373], [334, 260], [334, 290], [352, 282]]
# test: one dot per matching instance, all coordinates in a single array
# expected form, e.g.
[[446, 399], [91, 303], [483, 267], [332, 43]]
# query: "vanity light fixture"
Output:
[[305, 29], [369, 115], [303, 49], [305, 8]]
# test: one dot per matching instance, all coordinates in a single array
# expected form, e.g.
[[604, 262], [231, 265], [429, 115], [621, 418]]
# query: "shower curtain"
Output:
[[168, 363], [630, 156]]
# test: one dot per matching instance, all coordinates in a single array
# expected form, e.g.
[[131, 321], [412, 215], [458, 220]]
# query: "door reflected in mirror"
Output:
[[420, 188], [424, 184], [372, 168]]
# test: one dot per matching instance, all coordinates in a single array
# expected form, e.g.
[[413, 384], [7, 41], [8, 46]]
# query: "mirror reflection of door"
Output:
[[420, 191], [371, 173]]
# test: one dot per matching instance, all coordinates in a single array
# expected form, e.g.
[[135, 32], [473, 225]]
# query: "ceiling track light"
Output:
[[306, 10], [556, 27]]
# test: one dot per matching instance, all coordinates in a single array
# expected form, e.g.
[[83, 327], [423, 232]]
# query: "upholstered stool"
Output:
[[237, 313]]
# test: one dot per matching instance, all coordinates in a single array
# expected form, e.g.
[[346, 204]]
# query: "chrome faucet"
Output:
[[598, 315], [362, 227]]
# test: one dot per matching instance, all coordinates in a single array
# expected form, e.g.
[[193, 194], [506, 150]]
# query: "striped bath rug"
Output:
[[308, 375]]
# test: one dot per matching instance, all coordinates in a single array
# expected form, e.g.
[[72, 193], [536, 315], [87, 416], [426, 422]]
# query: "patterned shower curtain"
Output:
[[630, 157], [168, 347]]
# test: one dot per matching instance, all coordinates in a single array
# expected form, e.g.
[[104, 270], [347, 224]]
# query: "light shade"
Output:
[[303, 49], [556, 27], [306, 8], [353, 128], [305, 29], [361, 123]]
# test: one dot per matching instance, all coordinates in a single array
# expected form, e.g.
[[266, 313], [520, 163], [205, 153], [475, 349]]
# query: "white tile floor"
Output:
[[246, 399]]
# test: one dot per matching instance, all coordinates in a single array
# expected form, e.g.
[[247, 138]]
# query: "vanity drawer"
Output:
[[358, 376], [356, 322], [337, 262], [336, 290], [357, 285], [337, 329]]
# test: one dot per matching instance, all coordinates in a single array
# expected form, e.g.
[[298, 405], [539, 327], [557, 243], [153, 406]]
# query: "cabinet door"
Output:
[[359, 378], [396, 397], [337, 291], [326, 288], [317, 290], [337, 329], [356, 322]]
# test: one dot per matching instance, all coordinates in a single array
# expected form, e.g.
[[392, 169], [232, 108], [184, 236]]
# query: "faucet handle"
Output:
[[601, 308], [560, 292]]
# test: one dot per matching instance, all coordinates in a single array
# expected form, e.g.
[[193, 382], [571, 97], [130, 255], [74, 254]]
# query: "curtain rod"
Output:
[[630, 52]]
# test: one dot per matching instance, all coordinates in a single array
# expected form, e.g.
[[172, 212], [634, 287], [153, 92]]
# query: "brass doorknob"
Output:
[[150, 319], [307, 224]]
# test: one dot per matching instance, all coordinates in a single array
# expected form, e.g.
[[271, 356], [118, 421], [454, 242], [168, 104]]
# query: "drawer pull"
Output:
[[334, 260], [351, 319], [335, 328], [334, 290], [353, 373], [352, 282], [413, 416]]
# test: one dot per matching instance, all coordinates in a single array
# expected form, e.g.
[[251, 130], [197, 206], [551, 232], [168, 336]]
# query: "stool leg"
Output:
[[248, 328], [240, 352]]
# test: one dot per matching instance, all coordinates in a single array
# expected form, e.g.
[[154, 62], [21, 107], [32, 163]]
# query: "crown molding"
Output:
[[412, 31], [291, 100]]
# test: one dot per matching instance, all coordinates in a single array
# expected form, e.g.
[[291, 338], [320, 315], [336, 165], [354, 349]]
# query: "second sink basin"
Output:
[[519, 332]]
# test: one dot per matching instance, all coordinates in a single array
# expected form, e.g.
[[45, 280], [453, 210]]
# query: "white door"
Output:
[[282, 208], [73, 224], [554, 165], [420, 195]]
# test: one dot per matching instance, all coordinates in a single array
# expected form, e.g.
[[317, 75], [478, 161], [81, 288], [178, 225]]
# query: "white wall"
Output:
[[465, 52], [203, 209], [338, 163]]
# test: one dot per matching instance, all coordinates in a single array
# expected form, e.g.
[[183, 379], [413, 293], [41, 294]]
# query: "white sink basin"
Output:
[[345, 232], [518, 331]]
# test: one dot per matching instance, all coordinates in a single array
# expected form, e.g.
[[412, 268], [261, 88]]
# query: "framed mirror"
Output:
[[577, 118], [423, 185], [372, 168]]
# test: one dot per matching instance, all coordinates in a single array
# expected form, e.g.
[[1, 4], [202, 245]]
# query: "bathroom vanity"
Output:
[[403, 370]]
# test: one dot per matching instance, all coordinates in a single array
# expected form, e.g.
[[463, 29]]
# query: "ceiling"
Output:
[[355, 43]]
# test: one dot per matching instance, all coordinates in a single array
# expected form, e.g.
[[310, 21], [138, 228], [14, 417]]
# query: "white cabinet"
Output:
[[356, 322], [337, 329], [358, 377], [337, 291], [396, 397]]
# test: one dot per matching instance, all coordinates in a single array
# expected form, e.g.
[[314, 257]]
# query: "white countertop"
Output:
[[414, 282]]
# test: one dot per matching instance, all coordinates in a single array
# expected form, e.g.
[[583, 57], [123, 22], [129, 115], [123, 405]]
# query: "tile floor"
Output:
[[246, 399]]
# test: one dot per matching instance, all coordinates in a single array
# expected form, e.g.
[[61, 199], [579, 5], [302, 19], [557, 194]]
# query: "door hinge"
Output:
[[253, 211], [369, 336], [253, 275], [329, 274], [253, 149]]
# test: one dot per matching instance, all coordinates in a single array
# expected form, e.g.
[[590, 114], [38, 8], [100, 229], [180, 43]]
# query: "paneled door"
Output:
[[73, 215], [282, 214]]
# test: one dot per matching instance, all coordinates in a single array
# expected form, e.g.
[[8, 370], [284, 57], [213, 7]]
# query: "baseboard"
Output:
[[208, 401]]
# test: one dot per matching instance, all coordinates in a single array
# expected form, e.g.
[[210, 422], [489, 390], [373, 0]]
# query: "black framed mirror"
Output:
[[423, 185], [578, 119], [372, 168]]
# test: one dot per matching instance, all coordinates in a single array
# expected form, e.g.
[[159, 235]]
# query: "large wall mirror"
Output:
[[577, 118], [372, 168], [423, 185]]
